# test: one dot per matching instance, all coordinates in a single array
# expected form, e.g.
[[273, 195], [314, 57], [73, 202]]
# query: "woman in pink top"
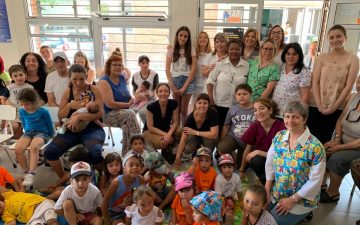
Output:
[[334, 76]]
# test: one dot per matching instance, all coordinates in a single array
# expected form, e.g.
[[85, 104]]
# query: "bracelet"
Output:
[[293, 197], [198, 133]]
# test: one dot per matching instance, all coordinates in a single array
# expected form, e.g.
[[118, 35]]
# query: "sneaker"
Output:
[[28, 179]]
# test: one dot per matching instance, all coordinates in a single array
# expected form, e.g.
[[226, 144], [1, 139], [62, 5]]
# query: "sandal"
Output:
[[325, 197], [324, 187]]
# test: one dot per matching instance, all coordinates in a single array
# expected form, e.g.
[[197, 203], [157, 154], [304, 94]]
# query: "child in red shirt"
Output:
[[7, 178]]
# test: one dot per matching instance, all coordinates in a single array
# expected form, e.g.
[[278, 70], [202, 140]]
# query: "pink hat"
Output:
[[226, 158], [184, 180]]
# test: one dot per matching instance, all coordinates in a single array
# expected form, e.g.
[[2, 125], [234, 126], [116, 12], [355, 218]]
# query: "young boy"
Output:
[[237, 121], [7, 179], [156, 178], [80, 202], [26, 208], [137, 142]]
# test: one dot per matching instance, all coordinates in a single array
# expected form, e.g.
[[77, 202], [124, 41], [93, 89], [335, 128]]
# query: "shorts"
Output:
[[43, 213], [34, 134], [180, 81], [88, 218]]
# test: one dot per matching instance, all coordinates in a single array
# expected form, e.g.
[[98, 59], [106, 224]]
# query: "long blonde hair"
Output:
[[260, 54], [208, 46]]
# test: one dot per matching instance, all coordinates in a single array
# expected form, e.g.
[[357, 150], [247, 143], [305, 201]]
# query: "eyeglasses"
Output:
[[116, 65], [353, 115], [268, 49], [276, 32]]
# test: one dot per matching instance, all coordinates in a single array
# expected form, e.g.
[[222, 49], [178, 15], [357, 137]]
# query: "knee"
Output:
[[257, 161], [68, 205], [52, 222], [19, 150]]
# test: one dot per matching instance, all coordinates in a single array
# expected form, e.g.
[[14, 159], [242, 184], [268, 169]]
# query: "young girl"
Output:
[[112, 169], [137, 143], [180, 69], [181, 208], [81, 59], [254, 207], [38, 129], [142, 97], [207, 208], [143, 212], [119, 194]]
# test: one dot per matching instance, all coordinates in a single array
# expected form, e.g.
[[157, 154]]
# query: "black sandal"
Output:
[[325, 197]]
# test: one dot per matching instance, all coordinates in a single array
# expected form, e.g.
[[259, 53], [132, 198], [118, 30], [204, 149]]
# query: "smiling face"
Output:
[[132, 167], [182, 38], [202, 105], [203, 40], [114, 167], [291, 57], [31, 63], [116, 68], [336, 39], [163, 93], [294, 122], [262, 112], [267, 51], [234, 51], [250, 40], [276, 35], [220, 45], [18, 77]]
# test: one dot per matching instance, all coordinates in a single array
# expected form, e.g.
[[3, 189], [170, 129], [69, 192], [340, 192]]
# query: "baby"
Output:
[[143, 94]]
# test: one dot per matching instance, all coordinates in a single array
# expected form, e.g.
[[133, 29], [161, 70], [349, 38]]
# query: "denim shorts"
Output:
[[34, 134], [180, 81]]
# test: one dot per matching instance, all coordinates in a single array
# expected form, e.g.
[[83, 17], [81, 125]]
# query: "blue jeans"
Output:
[[289, 219]]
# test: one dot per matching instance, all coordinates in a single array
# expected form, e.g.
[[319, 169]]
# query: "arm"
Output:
[[135, 87], [175, 121], [212, 134], [269, 89], [155, 81], [210, 84], [65, 106], [168, 198], [315, 87], [305, 95], [244, 163], [91, 76], [173, 217], [225, 130], [159, 217], [183, 140], [109, 97], [51, 99], [49, 123], [102, 185], [105, 203], [168, 74]]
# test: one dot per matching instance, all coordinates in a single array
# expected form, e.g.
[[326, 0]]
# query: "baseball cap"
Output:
[[209, 203], [155, 161], [226, 158], [80, 168], [59, 54], [204, 151], [184, 180]]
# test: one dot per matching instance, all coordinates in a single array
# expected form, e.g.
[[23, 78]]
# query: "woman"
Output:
[[334, 75], [92, 137], [117, 101], [81, 59], [47, 54], [218, 55], [276, 34], [295, 166], [295, 80], [222, 81], [162, 122], [251, 42], [344, 148], [36, 73], [263, 72], [125, 71], [201, 129], [258, 137], [4, 75]]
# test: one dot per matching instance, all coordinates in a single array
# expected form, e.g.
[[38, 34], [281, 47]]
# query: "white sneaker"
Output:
[[28, 179]]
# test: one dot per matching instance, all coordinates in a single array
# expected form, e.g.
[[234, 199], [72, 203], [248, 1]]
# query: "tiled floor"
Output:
[[345, 212]]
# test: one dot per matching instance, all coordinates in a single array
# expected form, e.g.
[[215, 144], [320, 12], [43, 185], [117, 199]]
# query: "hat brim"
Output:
[[161, 170], [203, 154], [76, 174], [58, 56], [226, 162]]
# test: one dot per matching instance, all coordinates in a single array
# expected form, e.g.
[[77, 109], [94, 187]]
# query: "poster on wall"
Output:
[[5, 35], [234, 33]]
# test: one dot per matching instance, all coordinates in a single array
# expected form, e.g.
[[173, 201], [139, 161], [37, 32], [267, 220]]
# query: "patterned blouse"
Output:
[[260, 77]]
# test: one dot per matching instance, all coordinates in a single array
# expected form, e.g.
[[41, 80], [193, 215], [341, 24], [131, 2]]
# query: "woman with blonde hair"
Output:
[[251, 42]]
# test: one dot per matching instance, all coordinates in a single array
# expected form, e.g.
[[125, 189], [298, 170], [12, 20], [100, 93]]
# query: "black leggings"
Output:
[[222, 112], [257, 164]]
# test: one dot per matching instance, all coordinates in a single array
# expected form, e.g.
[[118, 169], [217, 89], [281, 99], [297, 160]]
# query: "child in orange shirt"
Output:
[[7, 178], [181, 208], [207, 208], [202, 170]]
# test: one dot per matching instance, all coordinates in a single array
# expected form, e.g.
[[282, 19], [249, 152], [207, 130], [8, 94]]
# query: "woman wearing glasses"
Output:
[[276, 34], [263, 72], [117, 100], [344, 148]]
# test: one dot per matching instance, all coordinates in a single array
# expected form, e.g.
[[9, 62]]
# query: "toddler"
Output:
[[202, 170], [137, 142], [207, 208], [80, 202], [143, 95], [112, 169], [181, 208], [255, 201], [157, 177]]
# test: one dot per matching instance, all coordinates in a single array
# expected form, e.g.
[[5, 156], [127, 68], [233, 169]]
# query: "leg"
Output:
[[20, 147], [289, 219], [335, 182], [96, 221], [185, 99], [227, 144], [257, 164], [153, 139], [192, 144], [93, 138], [69, 212], [209, 143], [178, 100], [35, 146]]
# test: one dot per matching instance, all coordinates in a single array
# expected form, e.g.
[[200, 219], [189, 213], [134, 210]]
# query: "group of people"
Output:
[[255, 102]]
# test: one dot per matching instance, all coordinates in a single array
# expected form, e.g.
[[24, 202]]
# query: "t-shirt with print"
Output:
[[14, 90], [239, 120], [205, 181], [228, 188], [5, 177], [211, 120], [180, 67], [160, 122]]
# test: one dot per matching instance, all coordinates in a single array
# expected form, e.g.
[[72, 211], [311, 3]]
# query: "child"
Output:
[[143, 212], [119, 194], [181, 208], [202, 170], [7, 179], [26, 208], [237, 121], [38, 129], [80, 202], [207, 208], [255, 212], [228, 185], [156, 178], [137, 142], [143, 95], [112, 169], [181, 59]]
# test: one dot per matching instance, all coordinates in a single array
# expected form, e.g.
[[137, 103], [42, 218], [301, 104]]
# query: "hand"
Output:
[[177, 164], [131, 101], [140, 98], [173, 88], [189, 131], [181, 91], [167, 139], [73, 123], [212, 66], [329, 111], [75, 104], [252, 155], [284, 206], [80, 217], [195, 161], [335, 148], [331, 143]]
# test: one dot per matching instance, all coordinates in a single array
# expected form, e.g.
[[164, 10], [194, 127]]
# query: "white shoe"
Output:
[[28, 179]]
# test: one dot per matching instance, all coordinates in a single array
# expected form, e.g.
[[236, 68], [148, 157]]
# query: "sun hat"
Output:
[[209, 203], [155, 161], [184, 180]]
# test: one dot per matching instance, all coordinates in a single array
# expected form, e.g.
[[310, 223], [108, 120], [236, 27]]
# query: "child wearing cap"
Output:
[[156, 178], [207, 208], [26, 208], [181, 208], [80, 202], [228, 185], [202, 170]]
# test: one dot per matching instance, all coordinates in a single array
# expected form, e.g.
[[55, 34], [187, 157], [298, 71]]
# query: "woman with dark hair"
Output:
[[295, 80], [276, 34], [201, 129], [36, 73], [117, 101], [251, 42]]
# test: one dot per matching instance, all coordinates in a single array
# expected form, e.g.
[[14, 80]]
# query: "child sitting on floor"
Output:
[[143, 95], [112, 169], [137, 142], [207, 208]]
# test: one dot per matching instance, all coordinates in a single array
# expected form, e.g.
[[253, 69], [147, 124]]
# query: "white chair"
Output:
[[7, 113]]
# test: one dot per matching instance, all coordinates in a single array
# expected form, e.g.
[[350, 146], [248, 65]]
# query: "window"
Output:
[[146, 6], [58, 8]]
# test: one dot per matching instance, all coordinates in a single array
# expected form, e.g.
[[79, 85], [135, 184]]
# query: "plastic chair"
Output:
[[8, 113]]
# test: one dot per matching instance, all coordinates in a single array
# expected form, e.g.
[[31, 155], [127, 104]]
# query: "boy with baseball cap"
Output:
[[81, 200]]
